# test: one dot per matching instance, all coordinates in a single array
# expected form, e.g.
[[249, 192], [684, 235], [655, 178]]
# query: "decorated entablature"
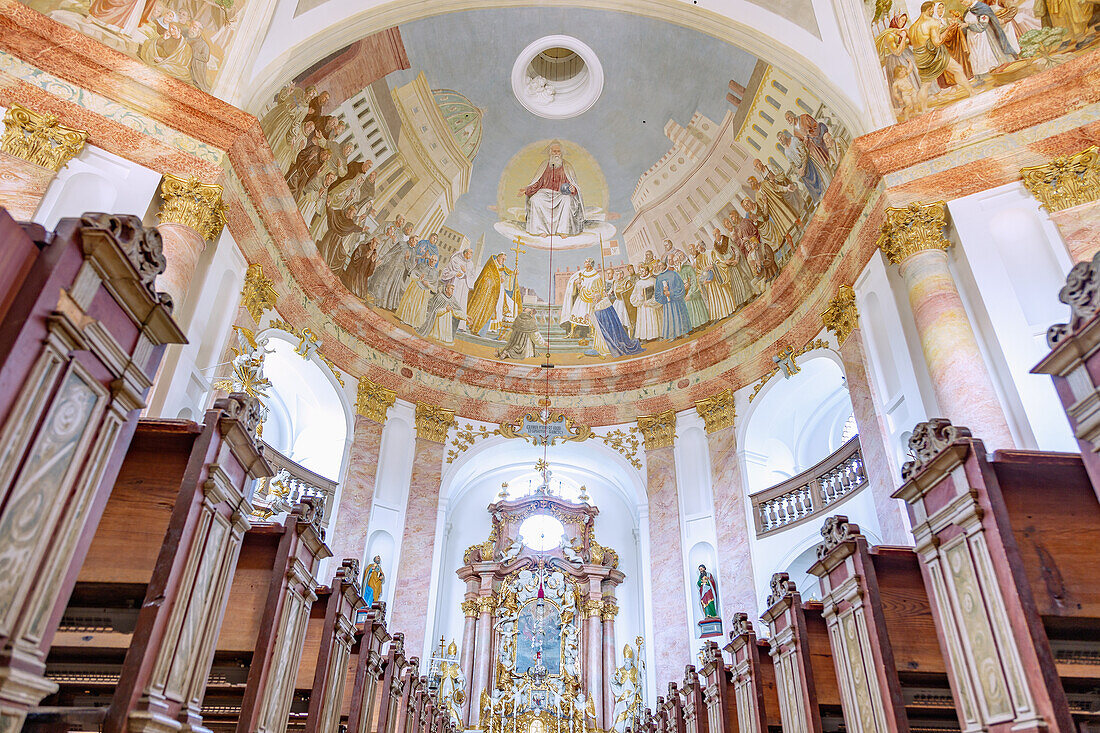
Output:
[[538, 611]]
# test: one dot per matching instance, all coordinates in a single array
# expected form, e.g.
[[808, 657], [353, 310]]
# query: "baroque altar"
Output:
[[538, 644]]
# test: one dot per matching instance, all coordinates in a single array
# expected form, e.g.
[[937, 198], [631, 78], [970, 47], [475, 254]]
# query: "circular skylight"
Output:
[[557, 77], [541, 532]]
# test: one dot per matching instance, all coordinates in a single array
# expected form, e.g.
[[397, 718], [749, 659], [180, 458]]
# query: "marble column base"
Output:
[[22, 186]]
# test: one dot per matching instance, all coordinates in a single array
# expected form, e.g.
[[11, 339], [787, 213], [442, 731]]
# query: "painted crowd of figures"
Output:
[[949, 52]]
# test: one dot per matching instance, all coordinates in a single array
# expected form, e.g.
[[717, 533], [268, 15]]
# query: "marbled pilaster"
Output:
[[873, 442], [666, 569], [738, 587], [182, 248], [414, 573], [353, 517], [22, 186], [964, 389], [1080, 230]]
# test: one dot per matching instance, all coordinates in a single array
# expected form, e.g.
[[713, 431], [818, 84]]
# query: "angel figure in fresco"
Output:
[[708, 593], [373, 577]]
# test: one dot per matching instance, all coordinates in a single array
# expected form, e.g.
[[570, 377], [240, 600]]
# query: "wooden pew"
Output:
[[331, 665], [752, 675], [391, 688], [367, 672], [674, 710], [887, 658], [804, 673], [167, 544], [81, 337], [1008, 553], [252, 682], [695, 709]]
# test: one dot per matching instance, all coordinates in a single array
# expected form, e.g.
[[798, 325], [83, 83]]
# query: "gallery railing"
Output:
[[292, 481], [811, 492]]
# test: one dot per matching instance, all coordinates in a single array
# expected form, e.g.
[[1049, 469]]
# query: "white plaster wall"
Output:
[[1010, 263]]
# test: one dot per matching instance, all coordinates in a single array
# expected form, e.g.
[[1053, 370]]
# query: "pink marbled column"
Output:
[[483, 652], [469, 634], [594, 663], [22, 186], [182, 248], [963, 386], [353, 517], [1080, 230], [873, 442], [666, 568], [609, 663], [737, 589], [414, 575]]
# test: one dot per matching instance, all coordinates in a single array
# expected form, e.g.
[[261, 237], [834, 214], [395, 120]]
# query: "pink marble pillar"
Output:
[[738, 587], [666, 569], [483, 653], [873, 442], [1080, 229], [349, 539], [182, 248], [22, 186], [594, 658], [607, 616], [469, 634], [963, 386], [414, 574]]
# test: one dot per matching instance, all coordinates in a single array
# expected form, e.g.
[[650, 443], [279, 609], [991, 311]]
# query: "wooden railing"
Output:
[[811, 492], [290, 483]]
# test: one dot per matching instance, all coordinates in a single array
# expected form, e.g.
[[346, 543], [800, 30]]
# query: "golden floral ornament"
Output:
[[786, 360], [40, 138], [308, 345], [659, 430], [192, 203], [912, 229], [433, 422], [841, 317], [545, 427], [718, 411], [623, 442], [1066, 181], [373, 401], [258, 294]]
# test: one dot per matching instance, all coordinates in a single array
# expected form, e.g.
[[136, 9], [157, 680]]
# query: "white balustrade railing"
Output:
[[811, 492]]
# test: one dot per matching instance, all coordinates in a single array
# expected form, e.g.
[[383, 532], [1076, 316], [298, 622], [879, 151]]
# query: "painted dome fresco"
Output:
[[528, 184]]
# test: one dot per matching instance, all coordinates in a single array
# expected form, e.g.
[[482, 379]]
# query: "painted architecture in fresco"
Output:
[[598, 259]]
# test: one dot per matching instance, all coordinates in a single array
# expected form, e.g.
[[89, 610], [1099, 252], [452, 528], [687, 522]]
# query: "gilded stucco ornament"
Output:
[[928, 440], [659, 430], [785, 360], [718, 412], [258, 294], [194, 204], [624, 442], [610, 610], [1066, 181], [836, 530], [841, 317], [433, 422], [912, 229], [781, 587], [469, 608], [373, 401], [308, 345], [40, 138]]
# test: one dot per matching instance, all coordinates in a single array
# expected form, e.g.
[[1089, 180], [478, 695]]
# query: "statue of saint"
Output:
[[708, 593], [373, 577]]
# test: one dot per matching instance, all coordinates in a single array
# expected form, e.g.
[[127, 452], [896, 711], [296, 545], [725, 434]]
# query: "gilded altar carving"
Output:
[[928, 440], [248, 367], [40, 138], [373, 401], [718, 412], [308, 345], [912, 229], [192, 203], [841, 317], [470, 608], [258, 294], [592, 607], [659, 430], [609, 610], [433, 422], [1066, 181]]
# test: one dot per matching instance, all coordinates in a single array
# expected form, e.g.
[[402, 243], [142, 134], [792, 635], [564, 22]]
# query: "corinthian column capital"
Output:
[[914, 228], [841, 317], [1066, 181], [40, 138], [193, 204]]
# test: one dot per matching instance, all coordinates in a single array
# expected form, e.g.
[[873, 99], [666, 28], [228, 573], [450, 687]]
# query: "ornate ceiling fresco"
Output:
[[587, 227]]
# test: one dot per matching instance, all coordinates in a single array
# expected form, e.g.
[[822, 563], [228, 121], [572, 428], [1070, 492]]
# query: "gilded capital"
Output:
[[194, 204], [659, 431], [373, 401], [592, 607], [40, 138], [258, 294], [912, 229], [1066, 181], [432, 422], [469, 608], [718, 411], [486, 604], [610, 609], [841, 317]]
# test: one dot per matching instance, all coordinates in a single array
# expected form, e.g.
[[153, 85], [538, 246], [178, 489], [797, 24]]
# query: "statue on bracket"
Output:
[[373, 577], [711, 625], [628, 686]]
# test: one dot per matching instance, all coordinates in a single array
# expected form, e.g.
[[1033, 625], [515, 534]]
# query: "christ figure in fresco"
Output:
[[554, 204]]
